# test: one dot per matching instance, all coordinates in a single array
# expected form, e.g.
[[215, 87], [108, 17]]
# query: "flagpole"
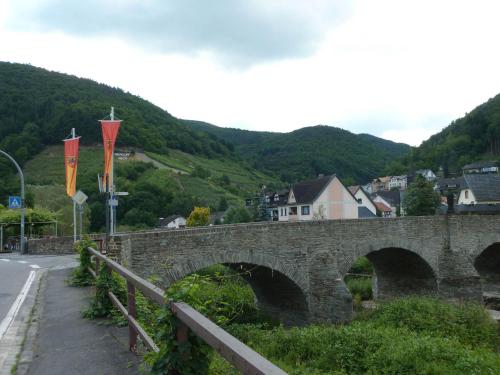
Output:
[[74, 203], [111, 186]]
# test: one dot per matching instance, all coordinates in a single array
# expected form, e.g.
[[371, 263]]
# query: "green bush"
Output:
[[362, 265], [81, 275], [468, 323], [364, 348], [360, 286]]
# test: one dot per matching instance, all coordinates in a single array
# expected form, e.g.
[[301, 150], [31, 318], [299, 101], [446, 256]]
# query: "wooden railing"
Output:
[[234, 351]]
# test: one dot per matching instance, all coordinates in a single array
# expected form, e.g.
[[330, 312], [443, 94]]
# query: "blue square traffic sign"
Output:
[[15, 202]]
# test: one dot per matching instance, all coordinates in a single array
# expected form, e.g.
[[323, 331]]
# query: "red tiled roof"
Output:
[[382, 207]]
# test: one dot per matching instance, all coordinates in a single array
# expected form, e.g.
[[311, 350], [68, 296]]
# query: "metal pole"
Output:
[[74, 221], [74, 203], [1, 238], [23, 208], [112, 183], [56, 228], [80, 206]]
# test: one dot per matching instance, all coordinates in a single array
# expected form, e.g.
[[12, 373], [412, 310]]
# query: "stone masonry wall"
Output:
[[55, 246], [411, 255]]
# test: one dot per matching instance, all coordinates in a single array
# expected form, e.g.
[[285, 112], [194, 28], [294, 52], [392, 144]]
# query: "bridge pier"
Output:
[[330, 301]]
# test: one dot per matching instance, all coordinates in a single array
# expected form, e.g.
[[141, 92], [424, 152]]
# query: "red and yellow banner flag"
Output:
[[71, 163], [109, 133]]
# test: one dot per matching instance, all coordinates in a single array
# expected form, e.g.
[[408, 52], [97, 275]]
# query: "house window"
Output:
[[466, 194], [360, 201], [286, 211], [293, 210], [276, 197], [304, 210]]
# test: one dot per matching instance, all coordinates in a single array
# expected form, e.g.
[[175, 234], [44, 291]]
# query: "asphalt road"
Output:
[[15, 271]]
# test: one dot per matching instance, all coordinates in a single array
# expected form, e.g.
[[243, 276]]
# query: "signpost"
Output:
[[15, 202], [79, 199]]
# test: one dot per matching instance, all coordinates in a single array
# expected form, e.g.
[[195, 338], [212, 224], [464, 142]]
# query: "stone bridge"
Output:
[[297, 269]]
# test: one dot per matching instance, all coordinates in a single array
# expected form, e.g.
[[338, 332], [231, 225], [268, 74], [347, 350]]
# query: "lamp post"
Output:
[[23, 208]]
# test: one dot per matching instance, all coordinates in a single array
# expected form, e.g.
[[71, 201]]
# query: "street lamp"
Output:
[[23, 208]]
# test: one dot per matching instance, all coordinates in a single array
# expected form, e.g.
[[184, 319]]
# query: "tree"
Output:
[[237, 215], [223, 206], [420, 198], [199, 217]]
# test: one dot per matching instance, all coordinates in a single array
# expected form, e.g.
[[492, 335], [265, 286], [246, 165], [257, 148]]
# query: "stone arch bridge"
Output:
[[297, 269]]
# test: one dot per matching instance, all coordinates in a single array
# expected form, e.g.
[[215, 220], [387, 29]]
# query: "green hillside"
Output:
[[39, 108], [154, 192], [474, 137], [310, 151]]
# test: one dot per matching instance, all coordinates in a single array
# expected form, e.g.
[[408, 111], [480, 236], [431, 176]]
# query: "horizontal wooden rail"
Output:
[[234, 351], [148, 289]]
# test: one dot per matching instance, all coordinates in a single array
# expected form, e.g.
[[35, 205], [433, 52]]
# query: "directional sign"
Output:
[[80, 197], [15, 202]]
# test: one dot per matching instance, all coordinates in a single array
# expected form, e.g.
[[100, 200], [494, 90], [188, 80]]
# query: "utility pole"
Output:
[[22, 242]]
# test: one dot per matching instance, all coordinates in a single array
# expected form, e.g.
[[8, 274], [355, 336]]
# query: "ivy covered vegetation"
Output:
[[406, 336]]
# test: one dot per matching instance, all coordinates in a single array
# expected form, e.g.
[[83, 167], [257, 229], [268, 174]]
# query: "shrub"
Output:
[[468, 323], [362, 265], [360, 286], [365, 348], [81, 275]]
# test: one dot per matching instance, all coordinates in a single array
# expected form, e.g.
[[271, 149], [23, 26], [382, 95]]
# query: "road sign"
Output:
[[80, 197], [113, 202], [15, 202]]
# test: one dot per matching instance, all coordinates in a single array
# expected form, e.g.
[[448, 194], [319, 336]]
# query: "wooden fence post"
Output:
[[132, 333]]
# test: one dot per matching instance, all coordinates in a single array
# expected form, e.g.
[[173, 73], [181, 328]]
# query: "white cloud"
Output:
[[396, 69]]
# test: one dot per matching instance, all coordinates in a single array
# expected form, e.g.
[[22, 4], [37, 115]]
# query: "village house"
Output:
[[384, 209], [480, 189], [324, 198], [398, 182], [273, 200], [390, 199], [172, 222], [367, 208], [428, 174], [481, 167], [380, 184]]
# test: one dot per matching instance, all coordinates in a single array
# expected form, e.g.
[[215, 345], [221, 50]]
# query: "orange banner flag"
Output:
[[109, 133], [71, 163]]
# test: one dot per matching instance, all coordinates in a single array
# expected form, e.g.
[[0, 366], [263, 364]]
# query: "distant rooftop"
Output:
[[486, 187], [481, 164]]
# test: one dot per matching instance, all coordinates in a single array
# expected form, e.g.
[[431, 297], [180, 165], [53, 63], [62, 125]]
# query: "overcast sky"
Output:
[[401, 70]]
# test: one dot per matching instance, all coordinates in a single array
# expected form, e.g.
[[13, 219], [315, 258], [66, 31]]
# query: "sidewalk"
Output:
[[65, 343]]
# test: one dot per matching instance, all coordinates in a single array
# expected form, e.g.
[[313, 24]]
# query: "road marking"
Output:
[[34, 266], [16, 306], [22, 261], [5, 260]]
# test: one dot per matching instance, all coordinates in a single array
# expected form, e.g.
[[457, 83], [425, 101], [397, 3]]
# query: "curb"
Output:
[[25, 357], [13, 343]]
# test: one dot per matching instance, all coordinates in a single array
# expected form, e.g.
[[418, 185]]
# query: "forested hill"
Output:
[[39, 107], [476, 136], [310, 151]]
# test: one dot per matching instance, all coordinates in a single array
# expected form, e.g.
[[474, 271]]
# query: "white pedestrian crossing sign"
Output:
[[15, 202]]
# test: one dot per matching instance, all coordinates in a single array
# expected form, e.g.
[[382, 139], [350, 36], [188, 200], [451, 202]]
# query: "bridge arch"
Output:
[[487, 264], [399, 272], [279, 290]]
